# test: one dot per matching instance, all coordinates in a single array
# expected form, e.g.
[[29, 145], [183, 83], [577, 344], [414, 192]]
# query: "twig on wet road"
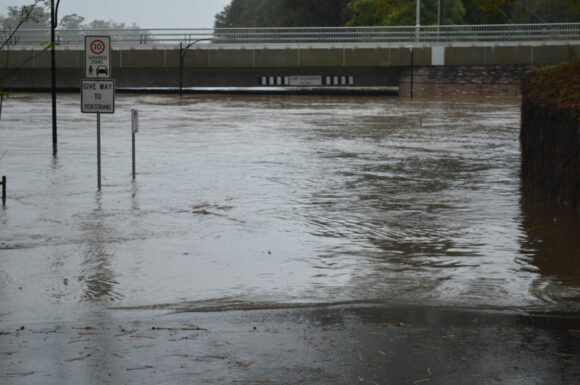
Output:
[[140, 368]]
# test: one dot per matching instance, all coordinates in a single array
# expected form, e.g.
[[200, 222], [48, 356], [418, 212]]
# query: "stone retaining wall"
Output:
[[461, 81]]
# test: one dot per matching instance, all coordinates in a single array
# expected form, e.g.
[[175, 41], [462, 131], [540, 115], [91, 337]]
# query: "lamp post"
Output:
[[182, 52], [53, 25], [438, 19], [418, 21]]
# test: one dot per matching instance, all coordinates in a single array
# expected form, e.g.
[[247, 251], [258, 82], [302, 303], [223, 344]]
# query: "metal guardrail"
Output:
[[171, 38]]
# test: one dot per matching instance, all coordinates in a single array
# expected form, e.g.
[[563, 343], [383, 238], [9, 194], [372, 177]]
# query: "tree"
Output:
[[282, 13], [26, 17], [239, 13], [104, 24], [72, 21], [522, 11], [545, 11], [18, 18], [321, 13], [403, 12]]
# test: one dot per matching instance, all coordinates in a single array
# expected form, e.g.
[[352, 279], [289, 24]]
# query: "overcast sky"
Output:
[[146, 13]]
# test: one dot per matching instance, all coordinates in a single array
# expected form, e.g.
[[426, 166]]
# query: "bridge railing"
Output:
[[169, 38]]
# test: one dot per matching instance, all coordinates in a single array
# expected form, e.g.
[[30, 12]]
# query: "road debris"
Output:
[[140, 368], [244, 364], [426, 347], [397, 325], [25, 374], [184, 328]]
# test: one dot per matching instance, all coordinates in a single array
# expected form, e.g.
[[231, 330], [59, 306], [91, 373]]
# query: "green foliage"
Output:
[[487, 6], [35, 16], [555, 87], [299, 13], [527, 11], [282, 13], [403, 12], [72, 21], [30, 16]]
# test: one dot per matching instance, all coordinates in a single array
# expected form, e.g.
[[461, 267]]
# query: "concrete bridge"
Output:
[[300, 57]]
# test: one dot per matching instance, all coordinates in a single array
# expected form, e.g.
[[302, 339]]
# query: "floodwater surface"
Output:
[[276, 200]]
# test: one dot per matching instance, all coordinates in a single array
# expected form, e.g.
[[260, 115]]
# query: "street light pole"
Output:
[[438, 19], [53, 25], [182, 52], [180, 69], [418, 22]]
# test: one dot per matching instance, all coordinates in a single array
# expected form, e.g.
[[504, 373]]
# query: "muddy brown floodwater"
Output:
[[274, 201]]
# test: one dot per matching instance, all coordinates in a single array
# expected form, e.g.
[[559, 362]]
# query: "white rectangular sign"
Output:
[[305, 80], [97, 57], [135, 121], [98, 96]]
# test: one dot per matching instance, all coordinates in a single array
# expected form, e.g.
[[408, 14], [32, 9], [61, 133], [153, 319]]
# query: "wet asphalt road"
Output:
[[343, 344]]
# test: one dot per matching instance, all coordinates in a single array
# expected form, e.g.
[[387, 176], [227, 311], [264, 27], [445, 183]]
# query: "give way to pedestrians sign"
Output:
[[98, 96]]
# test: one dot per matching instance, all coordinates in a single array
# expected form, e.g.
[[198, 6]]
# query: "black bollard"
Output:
[[3, 191]]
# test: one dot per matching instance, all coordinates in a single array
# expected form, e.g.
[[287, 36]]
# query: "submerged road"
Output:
[[284, 240]]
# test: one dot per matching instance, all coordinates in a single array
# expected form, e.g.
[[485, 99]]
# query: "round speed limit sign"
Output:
[[97, 47]]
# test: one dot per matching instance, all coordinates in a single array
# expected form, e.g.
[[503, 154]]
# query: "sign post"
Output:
[[98, 96], [134, 130], [99, 150], [98, 89]]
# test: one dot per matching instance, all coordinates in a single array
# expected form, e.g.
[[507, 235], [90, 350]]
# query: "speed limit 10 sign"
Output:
[[97, 57]]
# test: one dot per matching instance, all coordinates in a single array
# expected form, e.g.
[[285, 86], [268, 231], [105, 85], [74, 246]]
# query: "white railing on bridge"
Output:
[[169, 38]]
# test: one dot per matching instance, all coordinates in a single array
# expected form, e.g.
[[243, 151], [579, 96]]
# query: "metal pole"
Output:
[[418, 21], [134, 168], [99, 149], [412, 71], [3, 191], [53, 76], [182, 52], [180, 69], [438, 19]]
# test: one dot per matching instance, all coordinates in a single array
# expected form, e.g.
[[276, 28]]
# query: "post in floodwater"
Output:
[[412, 72], [134, 130], [3, 183], [99, 150], [98, 95]]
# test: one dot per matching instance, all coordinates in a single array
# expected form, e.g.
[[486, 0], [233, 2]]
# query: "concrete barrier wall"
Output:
[[211, 67], [306, 57], [39, 79]]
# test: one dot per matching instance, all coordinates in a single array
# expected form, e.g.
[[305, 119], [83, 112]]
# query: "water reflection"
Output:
[[552, 246], [97, 274], [412, 212]]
